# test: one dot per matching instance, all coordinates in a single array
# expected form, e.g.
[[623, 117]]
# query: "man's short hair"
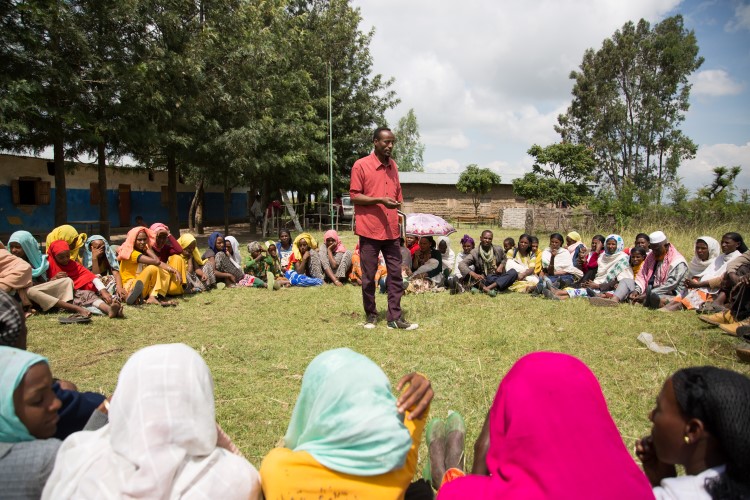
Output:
[[376, 134]]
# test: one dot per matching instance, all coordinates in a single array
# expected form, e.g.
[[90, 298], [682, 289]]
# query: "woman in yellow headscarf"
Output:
[[69, 235], [197, 274], [305, 258]]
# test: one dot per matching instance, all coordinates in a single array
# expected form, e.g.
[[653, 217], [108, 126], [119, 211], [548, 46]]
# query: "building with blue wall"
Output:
[[27, 196]]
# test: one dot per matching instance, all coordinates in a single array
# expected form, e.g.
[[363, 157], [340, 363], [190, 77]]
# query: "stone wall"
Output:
[[513, 217], [563, 220], [448, 202]]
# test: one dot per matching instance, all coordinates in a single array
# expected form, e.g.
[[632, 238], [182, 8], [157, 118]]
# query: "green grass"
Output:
[[258, 344]]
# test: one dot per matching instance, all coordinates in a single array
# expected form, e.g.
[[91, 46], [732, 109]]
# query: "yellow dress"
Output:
[[156, 281], [287, 474]]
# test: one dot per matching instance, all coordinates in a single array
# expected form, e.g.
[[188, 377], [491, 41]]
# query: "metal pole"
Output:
[[330, 142]]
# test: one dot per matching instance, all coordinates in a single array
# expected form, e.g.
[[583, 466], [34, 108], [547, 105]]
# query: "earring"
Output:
[[687, 440]]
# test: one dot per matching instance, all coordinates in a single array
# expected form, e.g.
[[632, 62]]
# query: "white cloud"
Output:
[[714, 82], [741, 18], [452, 139], [698, 171]]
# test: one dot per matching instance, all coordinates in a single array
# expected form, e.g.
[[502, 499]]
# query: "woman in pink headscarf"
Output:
[[549, 434], [169, 251], [335, 259]]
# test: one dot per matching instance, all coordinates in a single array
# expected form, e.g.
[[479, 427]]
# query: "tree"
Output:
[[722, 187], [629, 99], [561, 175], [409, 149], [477, 182]]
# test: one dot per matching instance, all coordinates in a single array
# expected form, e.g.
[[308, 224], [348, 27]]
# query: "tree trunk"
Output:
[[61, 194], [174, 218], [101, 154], [194, 206], [199, 209], [227, 204]]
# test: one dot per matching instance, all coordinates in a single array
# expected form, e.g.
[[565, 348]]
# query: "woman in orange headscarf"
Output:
[[143, 274]]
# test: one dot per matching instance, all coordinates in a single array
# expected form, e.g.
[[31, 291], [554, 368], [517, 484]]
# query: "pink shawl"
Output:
[[333, 234], [551, 436], [126, 249], [671, 259]]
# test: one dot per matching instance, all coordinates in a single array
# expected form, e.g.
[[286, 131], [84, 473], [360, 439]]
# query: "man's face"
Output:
[[659, 249], [486, 239], [384, 143]]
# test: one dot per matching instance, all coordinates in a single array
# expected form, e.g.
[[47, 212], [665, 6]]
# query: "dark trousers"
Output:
[[368, 258], [503, 281]]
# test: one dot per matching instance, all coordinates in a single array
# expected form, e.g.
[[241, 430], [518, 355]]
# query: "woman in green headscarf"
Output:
[[349, 436], [28, 419]]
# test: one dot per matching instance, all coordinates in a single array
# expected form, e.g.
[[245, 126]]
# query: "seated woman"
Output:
[[607, 296], [99, 258], [705, 273], [305, 261], [426, 266], [575, 245], [168, 249], [28, 421], [335, 259], [284, 248], [71, 236], [89, 291], [447, 256], [467, 245], [523, 453], [557, 269], [523, 260], [199, 274], [144, 275], [700, 422], [15, 277], [162, 440], [243, 278], [225, 268], [588, 258], [42, 293], [349, 437], [612, 268]]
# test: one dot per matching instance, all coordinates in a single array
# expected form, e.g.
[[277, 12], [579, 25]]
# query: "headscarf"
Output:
[[212, 240], [15, 273], [717, 268], [126, 249], [110, 255], [83, 279], [546, 406], [671, 258], [696, 266], [346, 417], [449, 257], [14, 363], [573, 235], [69, 235], [185, 241], [295, 245], [160, 441], [164, 252], [333, 234], [235, 255], [468, 239], [614, 266], [30, 247]]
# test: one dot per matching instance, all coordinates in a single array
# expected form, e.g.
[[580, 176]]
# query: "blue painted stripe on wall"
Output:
[[41, 219]]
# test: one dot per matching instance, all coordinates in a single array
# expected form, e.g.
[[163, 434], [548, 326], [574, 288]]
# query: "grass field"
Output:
[[258, 343]]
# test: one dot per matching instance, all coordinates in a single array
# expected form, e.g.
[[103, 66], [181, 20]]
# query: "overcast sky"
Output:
[[487, 78]]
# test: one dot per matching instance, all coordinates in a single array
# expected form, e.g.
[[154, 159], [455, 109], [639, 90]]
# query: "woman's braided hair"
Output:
[[721, 400]]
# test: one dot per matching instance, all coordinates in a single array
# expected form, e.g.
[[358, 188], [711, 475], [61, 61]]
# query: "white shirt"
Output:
[[687, 487]]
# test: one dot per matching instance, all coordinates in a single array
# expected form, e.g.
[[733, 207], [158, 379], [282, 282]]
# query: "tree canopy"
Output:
[[477, 182], [629, 99], [409, 150]]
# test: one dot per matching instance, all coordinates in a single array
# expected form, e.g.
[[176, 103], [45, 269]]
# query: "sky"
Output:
[[488, 78]]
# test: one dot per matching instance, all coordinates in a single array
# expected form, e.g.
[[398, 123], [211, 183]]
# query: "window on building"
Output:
[[30, 191]]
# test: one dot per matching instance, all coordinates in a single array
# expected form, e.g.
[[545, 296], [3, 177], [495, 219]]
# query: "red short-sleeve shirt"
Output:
[[372, 178]]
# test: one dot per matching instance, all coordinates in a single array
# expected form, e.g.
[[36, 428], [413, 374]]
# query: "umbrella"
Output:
[[427, 225]]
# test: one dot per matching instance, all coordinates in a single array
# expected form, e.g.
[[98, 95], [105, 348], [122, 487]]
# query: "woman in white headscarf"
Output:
[[449, 257], [161, 440]]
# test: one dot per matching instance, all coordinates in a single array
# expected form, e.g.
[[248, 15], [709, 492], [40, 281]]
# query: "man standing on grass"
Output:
[[376, 195]]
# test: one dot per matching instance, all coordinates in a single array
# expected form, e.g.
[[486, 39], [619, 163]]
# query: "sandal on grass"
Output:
[[73, 319], [135, 293]]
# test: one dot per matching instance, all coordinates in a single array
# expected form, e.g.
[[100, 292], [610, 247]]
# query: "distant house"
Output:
[[436, 193], [27, 196]]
